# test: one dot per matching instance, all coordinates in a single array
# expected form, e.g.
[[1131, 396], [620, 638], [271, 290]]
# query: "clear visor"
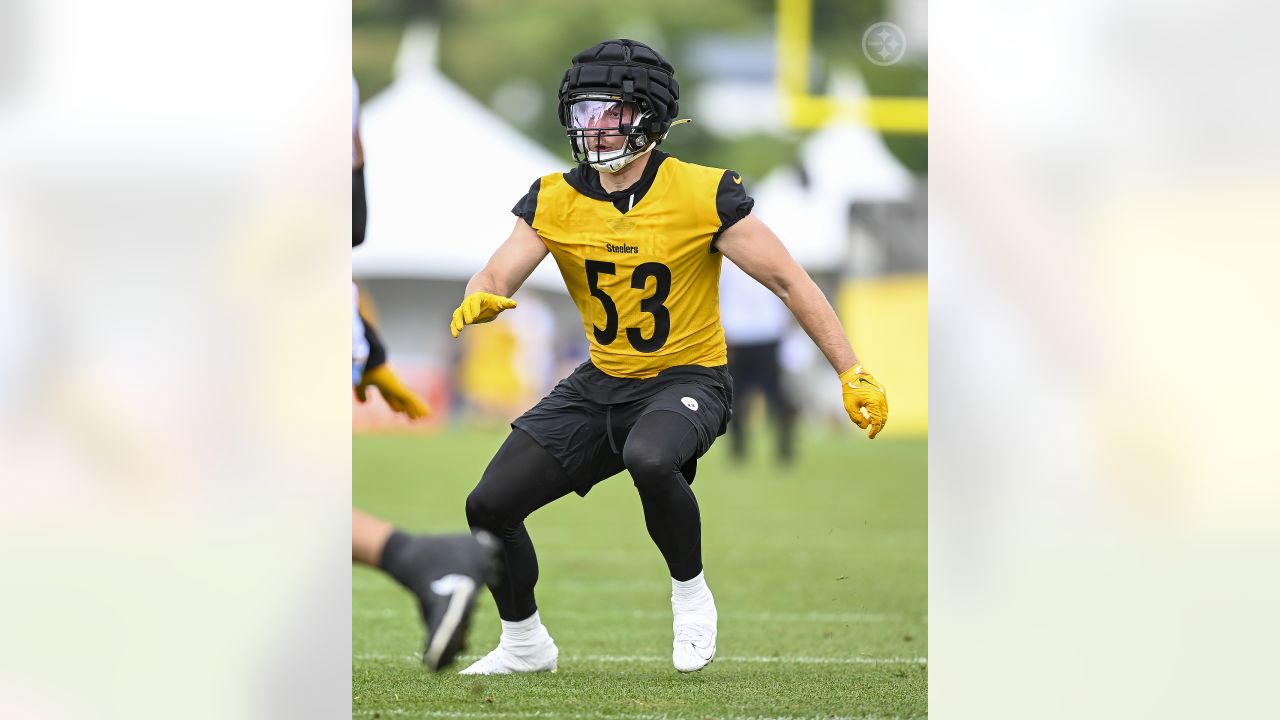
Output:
[[596, 114]]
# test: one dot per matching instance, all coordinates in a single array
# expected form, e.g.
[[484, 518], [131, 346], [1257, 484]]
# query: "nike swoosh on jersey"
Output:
[[737, 180]]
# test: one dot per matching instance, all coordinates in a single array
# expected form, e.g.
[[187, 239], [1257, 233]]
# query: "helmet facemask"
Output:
[[605, 132]]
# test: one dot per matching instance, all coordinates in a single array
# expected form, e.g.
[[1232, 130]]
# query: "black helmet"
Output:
[[618, 72]]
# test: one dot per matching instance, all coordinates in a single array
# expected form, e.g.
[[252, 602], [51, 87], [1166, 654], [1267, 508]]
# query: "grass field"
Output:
[[819, 575]]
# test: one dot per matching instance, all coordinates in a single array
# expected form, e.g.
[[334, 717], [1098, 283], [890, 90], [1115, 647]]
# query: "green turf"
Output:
[[819, 575]]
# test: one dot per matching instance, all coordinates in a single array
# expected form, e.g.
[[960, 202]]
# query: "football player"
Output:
[[368, 356], [638, 236], [443, 572]]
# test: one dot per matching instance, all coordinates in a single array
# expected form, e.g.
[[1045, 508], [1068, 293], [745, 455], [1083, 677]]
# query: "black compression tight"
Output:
[[657, 448], [523, 477]]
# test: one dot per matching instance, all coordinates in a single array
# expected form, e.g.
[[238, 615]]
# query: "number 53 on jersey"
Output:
[[651, 304]]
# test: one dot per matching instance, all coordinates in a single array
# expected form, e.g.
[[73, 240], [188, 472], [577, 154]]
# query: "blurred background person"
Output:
[[502, 372], [368, 355], [755, 323]]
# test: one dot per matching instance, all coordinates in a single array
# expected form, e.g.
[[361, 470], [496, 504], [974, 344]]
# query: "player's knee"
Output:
[[484, 510], [477, 510], [487, 506], [649, 463]]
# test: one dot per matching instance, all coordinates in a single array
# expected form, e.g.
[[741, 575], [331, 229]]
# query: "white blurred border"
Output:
[[174, 421], [1103, 236]]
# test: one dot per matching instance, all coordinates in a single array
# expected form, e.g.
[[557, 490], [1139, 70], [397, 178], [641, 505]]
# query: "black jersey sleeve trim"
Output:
[[377, 351], [732, 203], [528, 205], [359, 208]]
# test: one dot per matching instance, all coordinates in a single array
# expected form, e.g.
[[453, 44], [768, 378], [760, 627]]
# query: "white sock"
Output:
[[686, 592], [522, 633]]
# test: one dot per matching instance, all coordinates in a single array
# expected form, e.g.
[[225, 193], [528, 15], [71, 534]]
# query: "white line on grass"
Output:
[[782, 659], [605, 586], [778, 659], [789, 617], [818, 617], [400, 712]]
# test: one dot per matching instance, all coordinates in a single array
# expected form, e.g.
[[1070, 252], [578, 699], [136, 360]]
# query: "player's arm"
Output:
[[376, 373], [359, 206], [489, 291], [752, 246]]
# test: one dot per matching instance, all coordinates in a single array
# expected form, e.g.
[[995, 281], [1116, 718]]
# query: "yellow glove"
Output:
[[399, 398], [864, 400], [478, 307]]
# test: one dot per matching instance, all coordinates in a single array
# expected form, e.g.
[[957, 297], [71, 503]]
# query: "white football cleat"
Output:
[[502, 661], [695, 645], [695, 629]]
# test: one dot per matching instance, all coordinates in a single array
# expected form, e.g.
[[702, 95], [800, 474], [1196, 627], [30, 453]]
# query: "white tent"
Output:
[[442, 174], [846, 163]]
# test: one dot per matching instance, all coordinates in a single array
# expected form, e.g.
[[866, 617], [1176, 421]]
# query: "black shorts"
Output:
[[585, 421]]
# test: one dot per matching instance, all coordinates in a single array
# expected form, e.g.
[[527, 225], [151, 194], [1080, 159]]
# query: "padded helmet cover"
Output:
[[629, 70]]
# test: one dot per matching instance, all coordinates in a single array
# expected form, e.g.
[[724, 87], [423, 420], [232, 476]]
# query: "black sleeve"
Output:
[[359, 211], [528, 204], [732, 203], [377, 352]]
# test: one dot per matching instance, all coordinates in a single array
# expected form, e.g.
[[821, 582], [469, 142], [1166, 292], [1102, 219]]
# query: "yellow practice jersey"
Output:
[[640, 264]]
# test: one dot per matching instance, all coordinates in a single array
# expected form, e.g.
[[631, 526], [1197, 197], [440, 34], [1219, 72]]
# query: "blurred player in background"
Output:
[[368, 356], [443, 572], [638, 236], [755, 322], [369, 367]]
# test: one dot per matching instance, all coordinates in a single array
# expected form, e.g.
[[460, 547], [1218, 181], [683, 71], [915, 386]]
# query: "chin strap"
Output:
[[607, 166]]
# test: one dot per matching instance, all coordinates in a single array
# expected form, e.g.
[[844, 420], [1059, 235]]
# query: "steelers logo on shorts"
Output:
[[690, 403]]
